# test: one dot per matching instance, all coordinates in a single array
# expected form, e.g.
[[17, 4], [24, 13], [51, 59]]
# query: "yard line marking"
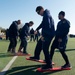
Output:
[[8, 65]]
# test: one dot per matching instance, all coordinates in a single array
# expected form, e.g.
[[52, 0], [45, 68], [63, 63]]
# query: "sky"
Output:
[[11, 10]]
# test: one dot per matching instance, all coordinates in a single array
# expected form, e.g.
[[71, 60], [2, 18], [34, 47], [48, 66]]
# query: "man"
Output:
[[13, 34], [32, 34], [7, 34], [24, 34], [61, 38], [48, 30]]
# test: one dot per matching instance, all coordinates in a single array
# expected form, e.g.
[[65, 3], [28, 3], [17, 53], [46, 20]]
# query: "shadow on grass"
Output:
[[27, 70], [3, 55], [66, 50]]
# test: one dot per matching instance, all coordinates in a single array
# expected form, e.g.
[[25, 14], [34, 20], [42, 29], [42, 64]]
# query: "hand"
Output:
[[35, 32], [28, 37], [59, 40], [42, 38]]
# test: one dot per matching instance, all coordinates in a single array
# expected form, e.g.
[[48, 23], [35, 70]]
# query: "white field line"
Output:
[[8, 66]]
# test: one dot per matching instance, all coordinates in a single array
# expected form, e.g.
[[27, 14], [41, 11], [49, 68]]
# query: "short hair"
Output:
[[19, 20], [62, 13], [31, 22], [39, 8]]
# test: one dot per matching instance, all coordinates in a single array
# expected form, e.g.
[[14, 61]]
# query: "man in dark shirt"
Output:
[[48, 31], [13, 34], [60, 40], [24, 34]]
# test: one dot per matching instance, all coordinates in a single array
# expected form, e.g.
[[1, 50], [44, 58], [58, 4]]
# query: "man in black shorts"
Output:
[[61, 39]]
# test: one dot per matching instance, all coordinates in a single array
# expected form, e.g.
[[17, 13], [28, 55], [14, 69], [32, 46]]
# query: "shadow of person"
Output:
[[27, 70], [66, 50], [24, 70], [3, 55]]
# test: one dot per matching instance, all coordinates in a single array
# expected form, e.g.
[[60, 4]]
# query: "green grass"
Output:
[[4, 56], [23, 67]]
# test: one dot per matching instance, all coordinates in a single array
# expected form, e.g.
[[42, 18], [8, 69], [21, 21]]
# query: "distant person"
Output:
[[37, 36], [48, 31], [7, 34], [24, 34], [32, 34], [13, 34], [61, 39]]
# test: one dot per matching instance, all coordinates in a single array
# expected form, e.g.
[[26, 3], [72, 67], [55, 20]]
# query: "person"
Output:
[[37, 36], [48, 31], [7, 34], [13, 34], [61, 39], [32, 34], [24, 34]]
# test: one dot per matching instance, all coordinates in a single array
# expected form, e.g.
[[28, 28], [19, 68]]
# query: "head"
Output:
[[40, 10], [61, 15], [19, 22], [31, 23]]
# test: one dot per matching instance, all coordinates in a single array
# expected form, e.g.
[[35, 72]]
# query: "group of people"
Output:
[[34, 37], [23, 34], [48, 33]]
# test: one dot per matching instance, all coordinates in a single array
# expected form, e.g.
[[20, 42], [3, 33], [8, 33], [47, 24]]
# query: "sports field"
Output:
[[23, 67]]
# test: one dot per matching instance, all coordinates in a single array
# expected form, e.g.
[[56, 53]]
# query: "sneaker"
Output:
[[20, 52], [8, 52], [13, 51], [66, 66], [25, 53], [46, 67], [34, 58]]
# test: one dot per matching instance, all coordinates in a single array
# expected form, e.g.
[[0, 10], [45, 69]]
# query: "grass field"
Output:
[[23, 67]]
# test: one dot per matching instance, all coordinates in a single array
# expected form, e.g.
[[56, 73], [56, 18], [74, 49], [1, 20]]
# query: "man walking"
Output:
[[24, 33], [61, 39]]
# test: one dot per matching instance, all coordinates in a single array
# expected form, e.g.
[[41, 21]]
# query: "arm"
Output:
[[26, 30], [45, 20], [40, 26]]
